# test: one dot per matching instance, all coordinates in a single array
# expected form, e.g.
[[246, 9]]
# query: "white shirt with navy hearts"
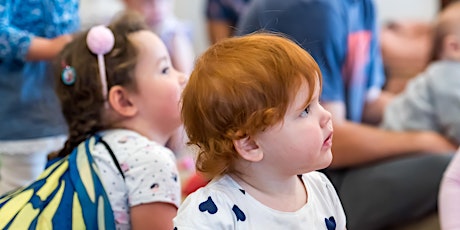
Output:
[[223, 204]]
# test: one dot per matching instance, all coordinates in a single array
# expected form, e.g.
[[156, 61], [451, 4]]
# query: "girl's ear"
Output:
[[248, 149], [119, 100]]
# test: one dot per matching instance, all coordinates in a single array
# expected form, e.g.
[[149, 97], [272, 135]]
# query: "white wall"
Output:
[[424, 10], [95, 12]]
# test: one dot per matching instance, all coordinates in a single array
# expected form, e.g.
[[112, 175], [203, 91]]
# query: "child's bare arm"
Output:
[[156, 215]]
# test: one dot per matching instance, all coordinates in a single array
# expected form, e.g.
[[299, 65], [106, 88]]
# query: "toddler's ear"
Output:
[[120, 102], [451, 47], [248, 149]]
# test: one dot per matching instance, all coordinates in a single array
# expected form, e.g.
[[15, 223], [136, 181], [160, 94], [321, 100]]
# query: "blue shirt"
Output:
[[341, 35], [28, 105]]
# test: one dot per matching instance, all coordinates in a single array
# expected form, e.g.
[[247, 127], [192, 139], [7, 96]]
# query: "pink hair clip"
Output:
[[100, 41]]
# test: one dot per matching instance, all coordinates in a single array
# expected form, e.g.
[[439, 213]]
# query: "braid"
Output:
[[80, 128]]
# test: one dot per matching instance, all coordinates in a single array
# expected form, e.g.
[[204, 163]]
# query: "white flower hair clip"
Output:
[[100, 41]]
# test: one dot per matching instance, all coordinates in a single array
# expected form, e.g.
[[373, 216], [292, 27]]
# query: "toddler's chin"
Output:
[[328, 159]]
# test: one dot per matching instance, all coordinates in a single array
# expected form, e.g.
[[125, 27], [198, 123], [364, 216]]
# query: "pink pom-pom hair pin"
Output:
[[100, 41]]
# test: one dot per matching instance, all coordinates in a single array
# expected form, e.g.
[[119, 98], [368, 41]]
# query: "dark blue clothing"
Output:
[[340, 34], [29, 107], [225, 10]]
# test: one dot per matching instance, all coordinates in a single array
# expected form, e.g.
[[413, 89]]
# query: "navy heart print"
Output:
[[239, 214], [330, 223], [174, 177], [208, 206]]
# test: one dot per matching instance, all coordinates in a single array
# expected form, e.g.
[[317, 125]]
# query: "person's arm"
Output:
[[22, 45], [156, 215], [357, 144], [218, 30], [153, 185], [46, 49], [374, 109], [219, 21]]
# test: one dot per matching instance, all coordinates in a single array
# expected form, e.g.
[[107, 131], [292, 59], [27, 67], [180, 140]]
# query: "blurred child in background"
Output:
[[176, 35]]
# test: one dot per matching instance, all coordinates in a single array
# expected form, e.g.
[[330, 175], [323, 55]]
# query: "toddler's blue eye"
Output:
[[165, 70], [305, 112]]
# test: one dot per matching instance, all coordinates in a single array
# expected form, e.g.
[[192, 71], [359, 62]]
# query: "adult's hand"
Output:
[[46, 49]]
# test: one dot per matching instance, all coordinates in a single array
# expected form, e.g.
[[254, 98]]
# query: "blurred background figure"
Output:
[[31, 125], [97, 12], [429, 100], [406, 39], [406, 49], [222, 17], [176, 34], [444, 3]]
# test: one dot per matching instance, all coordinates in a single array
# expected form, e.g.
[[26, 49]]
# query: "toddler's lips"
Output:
[[328, 142]]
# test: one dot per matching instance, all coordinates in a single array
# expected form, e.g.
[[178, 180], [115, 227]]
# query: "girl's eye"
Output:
[[305, 112], [165, 70]]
